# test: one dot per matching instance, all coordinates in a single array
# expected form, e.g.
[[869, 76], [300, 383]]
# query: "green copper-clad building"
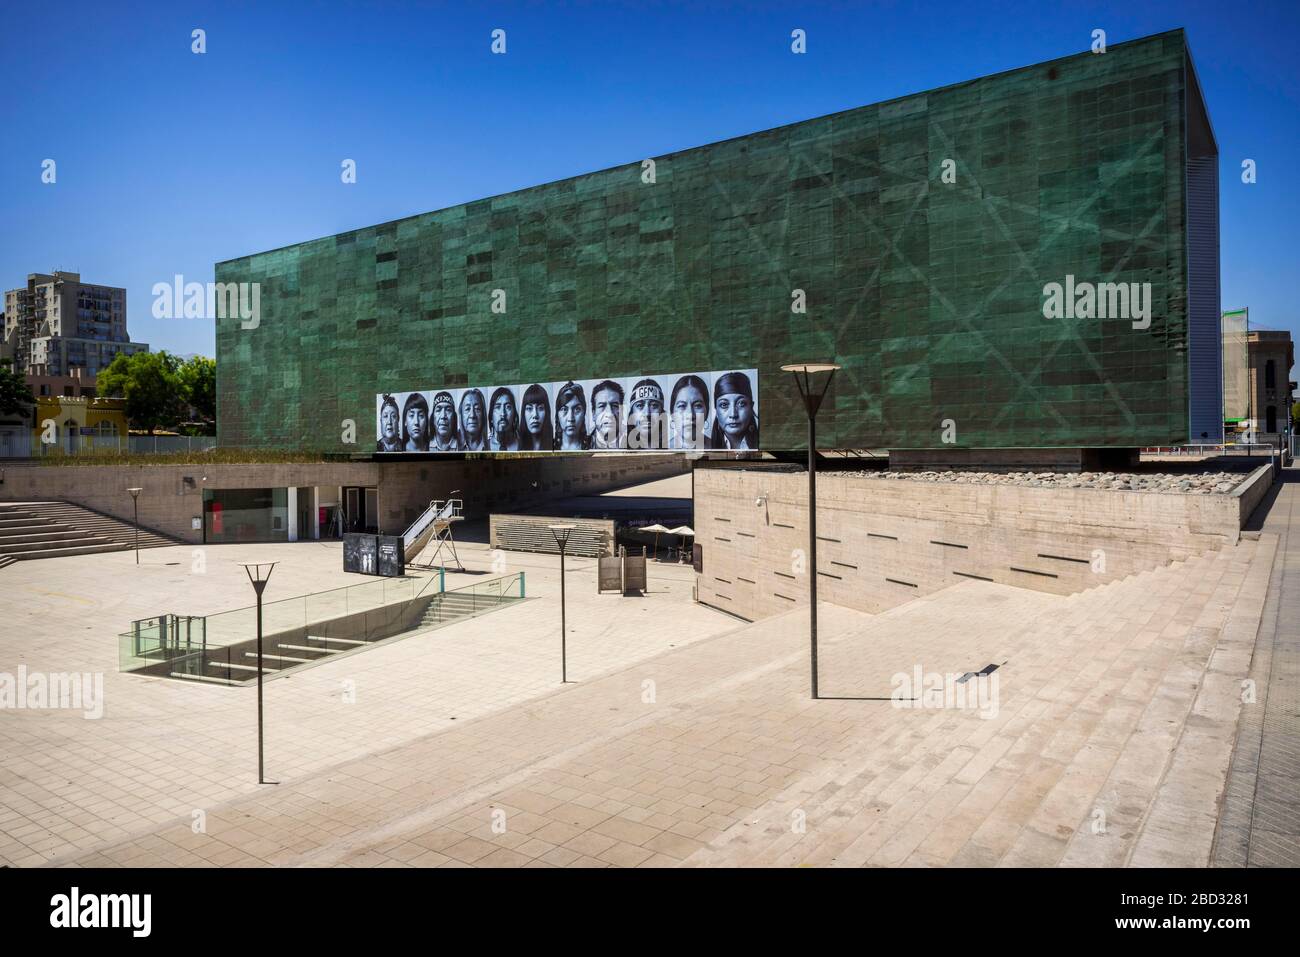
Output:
[[1026, 260]]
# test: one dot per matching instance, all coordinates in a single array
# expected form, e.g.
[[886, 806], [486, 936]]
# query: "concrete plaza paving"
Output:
[[687, 737], [166, 748], [1260, 822]]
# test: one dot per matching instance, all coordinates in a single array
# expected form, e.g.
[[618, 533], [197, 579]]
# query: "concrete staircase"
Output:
[[452, 605], [1117, 713], [237, 664], [534, 535], [30, 530]]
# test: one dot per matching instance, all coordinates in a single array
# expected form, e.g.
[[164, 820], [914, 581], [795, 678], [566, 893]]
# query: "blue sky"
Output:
[[169, 162]]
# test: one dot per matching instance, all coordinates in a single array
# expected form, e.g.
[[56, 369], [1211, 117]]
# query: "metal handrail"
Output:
[[438, 510]]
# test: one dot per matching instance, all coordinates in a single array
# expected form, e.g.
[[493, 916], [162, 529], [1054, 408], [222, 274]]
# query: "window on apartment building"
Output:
[[1270, 376]]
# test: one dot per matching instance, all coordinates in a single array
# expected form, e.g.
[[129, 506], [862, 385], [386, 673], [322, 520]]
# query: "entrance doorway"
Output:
[[361, 508]]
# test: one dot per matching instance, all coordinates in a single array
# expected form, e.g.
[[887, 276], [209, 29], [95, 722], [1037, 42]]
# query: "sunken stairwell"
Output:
[[30, 530], [236, 664]]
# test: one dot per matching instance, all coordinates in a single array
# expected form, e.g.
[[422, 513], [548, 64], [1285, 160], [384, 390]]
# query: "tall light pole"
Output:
[[812, 401], [561, 533], [135, 505], [259, 580]]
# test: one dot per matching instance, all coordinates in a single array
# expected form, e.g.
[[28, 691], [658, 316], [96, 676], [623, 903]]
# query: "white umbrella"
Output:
[[657, 529], [682, 530]]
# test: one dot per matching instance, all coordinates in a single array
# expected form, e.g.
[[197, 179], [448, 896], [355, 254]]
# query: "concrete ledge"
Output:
[[1251, 492]]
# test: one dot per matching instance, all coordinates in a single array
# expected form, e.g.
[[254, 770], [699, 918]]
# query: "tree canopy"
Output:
[[15, 395], [159, 387]]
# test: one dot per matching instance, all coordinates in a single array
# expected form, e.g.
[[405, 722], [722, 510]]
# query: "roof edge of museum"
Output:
[[1176, 31]]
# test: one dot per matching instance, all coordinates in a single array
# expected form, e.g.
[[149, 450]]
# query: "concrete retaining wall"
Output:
[[883, 543], [169, 502], [173, 494]]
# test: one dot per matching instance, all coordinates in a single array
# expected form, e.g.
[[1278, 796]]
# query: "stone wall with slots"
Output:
[[884, 543]]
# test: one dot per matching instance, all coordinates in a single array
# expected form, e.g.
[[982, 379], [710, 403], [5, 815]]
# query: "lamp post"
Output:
[[259, 580], [135, 506], [561, 533], [812, 401]]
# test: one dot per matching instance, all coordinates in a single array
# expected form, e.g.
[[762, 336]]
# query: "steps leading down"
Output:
[[31, 530], [1112, 727], [1116, 713]]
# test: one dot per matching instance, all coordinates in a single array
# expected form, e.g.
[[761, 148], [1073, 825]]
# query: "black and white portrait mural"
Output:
[[683, 411]]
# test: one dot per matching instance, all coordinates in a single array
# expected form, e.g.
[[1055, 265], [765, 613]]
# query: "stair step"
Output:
[[33, 552], [209, 678], [272, 654], [35, 530]]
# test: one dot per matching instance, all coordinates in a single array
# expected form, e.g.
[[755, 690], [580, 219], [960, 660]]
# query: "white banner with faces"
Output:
[[689, 411]]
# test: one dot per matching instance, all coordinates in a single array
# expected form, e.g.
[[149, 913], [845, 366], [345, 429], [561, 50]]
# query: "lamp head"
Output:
[[258, 573], [811, 368]]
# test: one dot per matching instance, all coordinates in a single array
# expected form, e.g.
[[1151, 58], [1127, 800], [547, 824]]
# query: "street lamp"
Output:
[[812, 401], [135, 505], [259, 580], [561, 533]]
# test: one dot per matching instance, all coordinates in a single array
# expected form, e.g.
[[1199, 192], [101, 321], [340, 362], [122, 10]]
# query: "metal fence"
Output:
[[23, 445]]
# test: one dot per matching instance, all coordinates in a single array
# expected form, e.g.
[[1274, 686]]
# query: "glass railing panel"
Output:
[[222, 647]]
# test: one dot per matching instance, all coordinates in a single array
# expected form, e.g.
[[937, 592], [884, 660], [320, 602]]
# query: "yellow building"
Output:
[[73, 425]]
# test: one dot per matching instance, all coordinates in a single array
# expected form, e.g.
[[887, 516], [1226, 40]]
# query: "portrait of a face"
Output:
[[571, 417], [415, 423], [645, 415], [503, 413], [606, 416], [503, 420], [536, 418], [388, 424], [688, 411], [444, 417], [735, 414], [473, 412]]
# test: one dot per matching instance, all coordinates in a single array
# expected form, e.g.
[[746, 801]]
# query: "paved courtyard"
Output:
[[166, 748], [686, 738]]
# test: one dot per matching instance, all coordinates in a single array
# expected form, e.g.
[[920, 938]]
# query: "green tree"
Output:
[[1295, 417], [151, 384], [15, 395], [199, 386]]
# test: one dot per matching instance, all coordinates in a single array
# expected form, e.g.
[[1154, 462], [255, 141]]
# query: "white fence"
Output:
[[22, 445]]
